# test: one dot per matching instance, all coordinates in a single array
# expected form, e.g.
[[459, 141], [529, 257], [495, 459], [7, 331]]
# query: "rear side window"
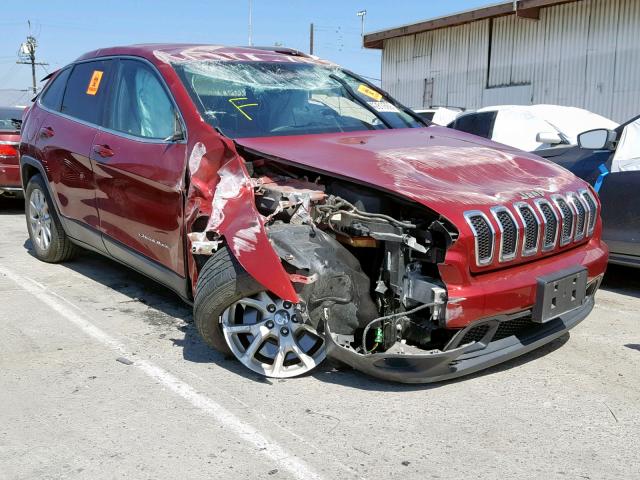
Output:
[[86, 90], [52, 96], [480, 123], [140, 105]]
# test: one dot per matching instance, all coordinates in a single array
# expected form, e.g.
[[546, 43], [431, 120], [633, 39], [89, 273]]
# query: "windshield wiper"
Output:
[[355, 96]]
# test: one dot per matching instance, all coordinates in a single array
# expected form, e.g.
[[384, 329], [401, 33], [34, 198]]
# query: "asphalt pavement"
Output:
[[103, 376]]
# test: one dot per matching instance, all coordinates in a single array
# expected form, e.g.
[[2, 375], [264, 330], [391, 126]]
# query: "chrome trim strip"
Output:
[[591, 226], [555, 199], [478, 213], [501, 256], [532, 251], [538, 203], [573, 198]]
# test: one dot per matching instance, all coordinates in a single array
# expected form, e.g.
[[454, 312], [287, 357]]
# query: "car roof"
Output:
[[181, 52]]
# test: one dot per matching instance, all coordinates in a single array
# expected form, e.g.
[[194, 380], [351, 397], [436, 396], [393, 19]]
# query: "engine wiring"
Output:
[[389, 317]]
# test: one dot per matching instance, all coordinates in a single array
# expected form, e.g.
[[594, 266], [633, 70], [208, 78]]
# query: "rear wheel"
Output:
[[50, 242], [236, 315]]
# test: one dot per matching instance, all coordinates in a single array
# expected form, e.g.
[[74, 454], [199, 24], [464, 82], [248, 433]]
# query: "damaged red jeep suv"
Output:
[[307, 214]]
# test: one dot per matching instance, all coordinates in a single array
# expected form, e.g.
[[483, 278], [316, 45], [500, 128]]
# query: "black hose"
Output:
[[389, 317], [364, 215]]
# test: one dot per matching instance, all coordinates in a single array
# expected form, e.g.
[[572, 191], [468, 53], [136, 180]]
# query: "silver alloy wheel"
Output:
[[40, 219], [268, 335]]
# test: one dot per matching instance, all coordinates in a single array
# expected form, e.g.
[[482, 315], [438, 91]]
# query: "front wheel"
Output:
[[236, 315]]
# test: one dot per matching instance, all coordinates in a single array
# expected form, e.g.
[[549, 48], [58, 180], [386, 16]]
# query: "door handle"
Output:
[[47, 132], [103, 150]]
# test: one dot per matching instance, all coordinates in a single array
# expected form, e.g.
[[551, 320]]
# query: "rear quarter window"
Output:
[[86, 91], [52, 96]]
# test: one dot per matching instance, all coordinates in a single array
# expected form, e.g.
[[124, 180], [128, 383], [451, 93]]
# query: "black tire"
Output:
[[221, 282], [60, 248]]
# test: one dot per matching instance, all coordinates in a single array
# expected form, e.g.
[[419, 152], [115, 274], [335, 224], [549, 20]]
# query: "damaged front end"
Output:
[[361, 265], [363, 268]]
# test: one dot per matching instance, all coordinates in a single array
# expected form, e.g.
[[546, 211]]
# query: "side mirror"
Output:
[[598, 139], [552, 138]]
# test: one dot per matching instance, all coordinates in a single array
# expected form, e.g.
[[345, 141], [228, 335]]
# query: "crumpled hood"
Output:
[[443, 169]]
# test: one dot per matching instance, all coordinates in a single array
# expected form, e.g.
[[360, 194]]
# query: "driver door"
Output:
[[139, 171]]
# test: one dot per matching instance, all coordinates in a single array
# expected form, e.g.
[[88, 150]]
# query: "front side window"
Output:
[[140, 105], [257, 99], [86, 90], [52, 96]]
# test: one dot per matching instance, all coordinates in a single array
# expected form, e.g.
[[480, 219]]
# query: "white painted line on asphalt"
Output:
[[267, 447]]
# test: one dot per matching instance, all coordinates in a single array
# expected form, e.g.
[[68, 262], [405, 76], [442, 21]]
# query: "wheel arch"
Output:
[[29, 167]]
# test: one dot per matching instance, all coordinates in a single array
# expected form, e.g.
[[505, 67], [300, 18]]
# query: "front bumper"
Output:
[[463, 360]]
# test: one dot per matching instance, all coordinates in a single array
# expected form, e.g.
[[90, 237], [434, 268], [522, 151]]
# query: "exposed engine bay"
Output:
[[364, 262]]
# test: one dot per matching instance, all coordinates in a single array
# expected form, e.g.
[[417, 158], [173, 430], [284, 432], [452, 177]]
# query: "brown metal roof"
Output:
[[523, 8]]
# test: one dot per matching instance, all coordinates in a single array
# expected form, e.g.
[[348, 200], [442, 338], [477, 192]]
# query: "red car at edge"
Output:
[[10, 120]]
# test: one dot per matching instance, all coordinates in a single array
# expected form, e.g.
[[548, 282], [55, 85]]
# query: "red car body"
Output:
[[9, 157], [127, 198]]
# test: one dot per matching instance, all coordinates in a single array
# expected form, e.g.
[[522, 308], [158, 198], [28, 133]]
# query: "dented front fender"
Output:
[[220, 188]]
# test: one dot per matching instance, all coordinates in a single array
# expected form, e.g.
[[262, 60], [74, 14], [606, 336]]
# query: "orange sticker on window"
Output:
[[370, 92], [94, 83]]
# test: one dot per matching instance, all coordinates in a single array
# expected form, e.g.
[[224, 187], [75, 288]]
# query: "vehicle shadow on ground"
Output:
[[162, 305], [11, 206], [622, 280]]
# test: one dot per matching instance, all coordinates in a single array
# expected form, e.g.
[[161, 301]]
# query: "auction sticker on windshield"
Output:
[[370, 92], [383, 106]]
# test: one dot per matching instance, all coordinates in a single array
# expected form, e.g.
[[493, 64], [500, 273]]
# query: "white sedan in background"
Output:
[[438, 115], [531, 127]]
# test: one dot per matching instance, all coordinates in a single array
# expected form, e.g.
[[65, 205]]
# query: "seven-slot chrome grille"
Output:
[[525, 229]]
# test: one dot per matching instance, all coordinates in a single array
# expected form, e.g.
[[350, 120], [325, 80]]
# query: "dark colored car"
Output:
[[306, 213], [10, 121], [610, 161]]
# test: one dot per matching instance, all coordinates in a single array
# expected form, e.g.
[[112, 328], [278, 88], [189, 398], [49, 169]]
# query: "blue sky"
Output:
[[67, 28]]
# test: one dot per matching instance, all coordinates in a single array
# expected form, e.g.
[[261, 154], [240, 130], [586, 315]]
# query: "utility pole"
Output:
[[311, 39], [362, 14], [27, 55], [251, 23]]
